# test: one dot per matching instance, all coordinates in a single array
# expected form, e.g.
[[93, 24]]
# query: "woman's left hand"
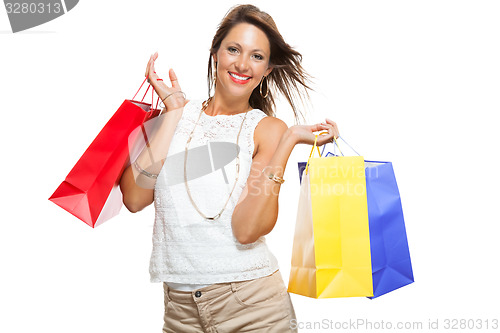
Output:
[[305, 133]]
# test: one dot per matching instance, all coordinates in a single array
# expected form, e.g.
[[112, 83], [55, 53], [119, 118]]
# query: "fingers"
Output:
[[330, 131], [324, 135], [334, 126], [318, 127], [323, 139], [153, 77], [150, 69], [173, 79], [152, 72], [147, 67]]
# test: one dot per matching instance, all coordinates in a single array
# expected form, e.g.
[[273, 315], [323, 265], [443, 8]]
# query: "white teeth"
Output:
[[239, 77]]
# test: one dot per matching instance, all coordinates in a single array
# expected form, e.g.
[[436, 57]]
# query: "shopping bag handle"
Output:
[[314, 146], [327, 154], [143, 129], [152, 93]]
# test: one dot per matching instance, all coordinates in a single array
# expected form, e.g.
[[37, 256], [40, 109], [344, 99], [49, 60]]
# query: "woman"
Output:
[[208, 246]]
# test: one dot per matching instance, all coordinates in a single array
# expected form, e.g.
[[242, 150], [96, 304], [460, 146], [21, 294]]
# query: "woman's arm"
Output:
[[137, 188], [257, 210], [136, 183]]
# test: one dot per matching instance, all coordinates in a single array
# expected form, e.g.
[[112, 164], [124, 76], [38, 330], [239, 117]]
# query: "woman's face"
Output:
[[242, 60]]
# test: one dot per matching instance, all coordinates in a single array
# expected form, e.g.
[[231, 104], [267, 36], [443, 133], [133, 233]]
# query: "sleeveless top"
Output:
[[187, 248]]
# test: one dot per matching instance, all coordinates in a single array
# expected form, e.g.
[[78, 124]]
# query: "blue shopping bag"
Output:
[[390, 254]]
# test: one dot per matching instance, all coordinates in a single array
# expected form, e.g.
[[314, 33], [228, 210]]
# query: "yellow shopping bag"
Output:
[[331, 247]]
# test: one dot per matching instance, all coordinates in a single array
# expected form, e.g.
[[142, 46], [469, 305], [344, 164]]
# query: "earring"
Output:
[[215, 76], [267, 86]]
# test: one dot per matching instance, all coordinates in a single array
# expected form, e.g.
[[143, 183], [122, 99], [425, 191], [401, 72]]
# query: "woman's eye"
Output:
[[258, 56], [232, 50]]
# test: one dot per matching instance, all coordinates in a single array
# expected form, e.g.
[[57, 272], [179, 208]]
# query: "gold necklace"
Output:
[[203, 108]]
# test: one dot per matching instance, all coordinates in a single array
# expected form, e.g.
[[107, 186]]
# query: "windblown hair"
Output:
[[288, 77]]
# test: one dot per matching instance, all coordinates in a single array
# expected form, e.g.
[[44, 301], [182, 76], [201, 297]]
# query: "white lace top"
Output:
[[191, 250]]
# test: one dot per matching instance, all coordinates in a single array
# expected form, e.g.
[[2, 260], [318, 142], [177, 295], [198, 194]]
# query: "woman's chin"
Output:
[[239, 92]]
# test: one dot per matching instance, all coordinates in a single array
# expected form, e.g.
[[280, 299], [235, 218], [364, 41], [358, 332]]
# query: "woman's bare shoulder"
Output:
[[268, 133]]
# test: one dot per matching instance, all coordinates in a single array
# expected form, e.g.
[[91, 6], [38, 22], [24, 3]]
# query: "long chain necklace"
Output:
[[203, 108]]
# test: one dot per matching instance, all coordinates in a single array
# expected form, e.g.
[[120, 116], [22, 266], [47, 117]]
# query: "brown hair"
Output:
[[287, 76]]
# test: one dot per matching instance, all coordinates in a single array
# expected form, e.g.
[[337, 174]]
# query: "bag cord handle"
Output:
[[339, 148], [312, 150], [321, 154], [152, 93]]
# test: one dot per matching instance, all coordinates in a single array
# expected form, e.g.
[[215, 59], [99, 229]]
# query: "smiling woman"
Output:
[[209, 249], [262, 41], [241, 62]]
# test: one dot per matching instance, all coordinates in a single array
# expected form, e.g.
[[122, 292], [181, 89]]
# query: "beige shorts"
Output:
[[259, 305]]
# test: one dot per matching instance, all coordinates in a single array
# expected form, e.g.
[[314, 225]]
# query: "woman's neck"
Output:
[[227, 105]]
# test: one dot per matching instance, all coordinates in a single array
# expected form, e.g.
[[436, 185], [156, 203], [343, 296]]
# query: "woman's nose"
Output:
[[242, 65]]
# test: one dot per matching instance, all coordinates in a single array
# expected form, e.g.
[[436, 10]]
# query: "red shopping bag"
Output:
[[90, 190]]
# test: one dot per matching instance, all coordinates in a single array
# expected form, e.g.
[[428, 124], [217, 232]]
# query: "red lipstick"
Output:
[[239, 81]]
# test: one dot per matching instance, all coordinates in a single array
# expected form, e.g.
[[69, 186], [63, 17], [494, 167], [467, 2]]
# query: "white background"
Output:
[[412, 82]]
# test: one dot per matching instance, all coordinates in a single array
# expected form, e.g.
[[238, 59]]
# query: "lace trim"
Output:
[[213, 126]]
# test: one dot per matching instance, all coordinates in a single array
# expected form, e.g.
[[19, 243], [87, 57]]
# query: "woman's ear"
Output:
[[268, 71]]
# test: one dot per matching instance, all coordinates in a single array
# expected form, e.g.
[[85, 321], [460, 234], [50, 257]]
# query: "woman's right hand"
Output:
[[175, 100], [305, 133]]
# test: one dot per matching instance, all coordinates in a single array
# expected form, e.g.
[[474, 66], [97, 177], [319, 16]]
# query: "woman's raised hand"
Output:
[[305, 133], [175, 98]]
